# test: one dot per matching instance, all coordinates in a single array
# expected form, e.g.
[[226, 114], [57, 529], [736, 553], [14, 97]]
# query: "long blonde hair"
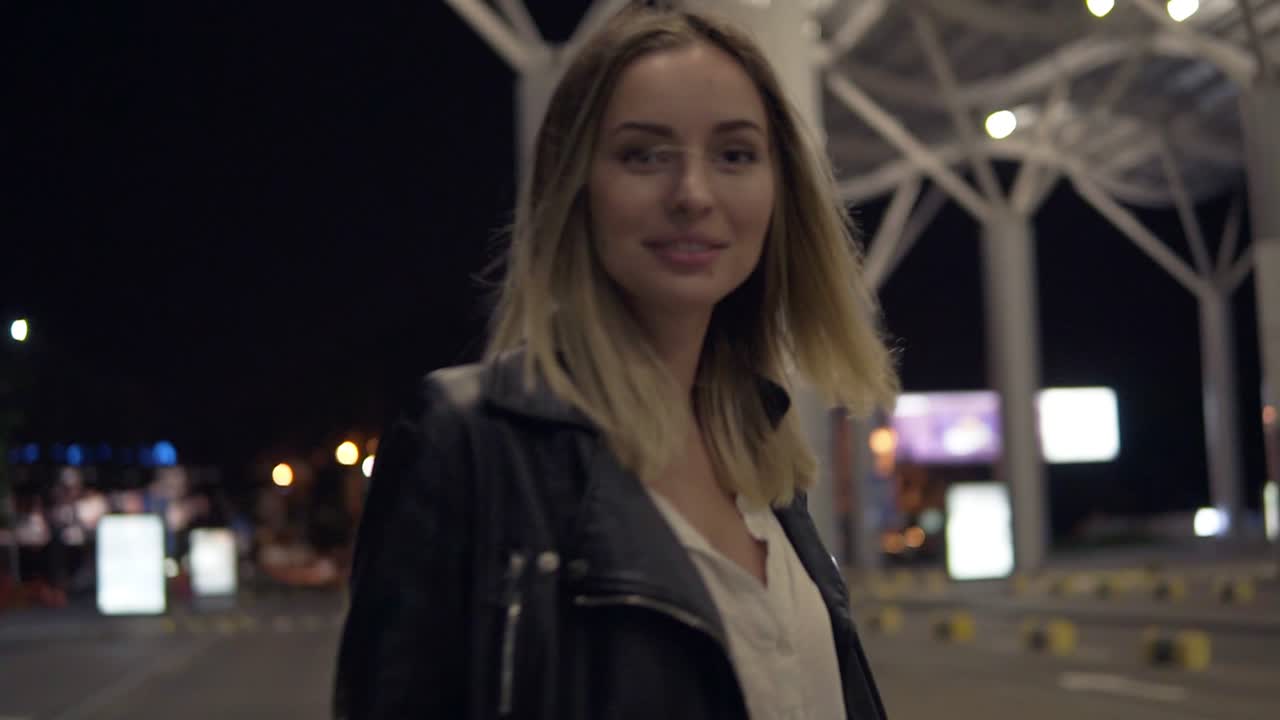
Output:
[[804, 308]]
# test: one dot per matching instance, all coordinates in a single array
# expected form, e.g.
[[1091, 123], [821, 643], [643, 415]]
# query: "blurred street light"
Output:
[[1001, 124], [19, 329], [883, 441], [282, 475], [1210, 522], [347, 453], [1180, 10], [366, 467], [1100, 8]]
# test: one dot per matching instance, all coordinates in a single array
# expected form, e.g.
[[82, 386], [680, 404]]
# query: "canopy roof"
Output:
[[1123, 98]]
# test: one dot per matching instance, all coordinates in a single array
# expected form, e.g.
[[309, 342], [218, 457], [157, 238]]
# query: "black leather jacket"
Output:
[[508, 566]]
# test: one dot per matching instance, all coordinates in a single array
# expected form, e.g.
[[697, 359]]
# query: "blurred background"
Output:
[[234, 236]]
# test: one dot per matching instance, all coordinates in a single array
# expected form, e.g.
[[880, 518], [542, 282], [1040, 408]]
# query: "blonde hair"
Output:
[[805, 307]]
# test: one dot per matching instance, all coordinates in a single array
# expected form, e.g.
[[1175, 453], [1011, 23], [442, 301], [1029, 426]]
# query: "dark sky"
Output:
[[246, 227]]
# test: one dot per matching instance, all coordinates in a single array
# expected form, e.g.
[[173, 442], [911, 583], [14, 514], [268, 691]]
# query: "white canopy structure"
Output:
[[1132, 102]]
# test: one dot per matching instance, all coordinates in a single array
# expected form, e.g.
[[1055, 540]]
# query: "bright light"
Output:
[[282, 475], [347, 453], [18, 330], [164, 453], [1271, 511], [131, 565], [171, 568], [1100, 8], [914, 537], [979, 531], [1079, 424], [1180, 10], [883, 441], [1209, 522], [366, 467], [1001, 124], [213, 562]]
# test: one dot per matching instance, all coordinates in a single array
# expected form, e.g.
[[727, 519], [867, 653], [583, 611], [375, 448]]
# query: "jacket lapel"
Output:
[[620, 544], [860, 696], [625, 547]]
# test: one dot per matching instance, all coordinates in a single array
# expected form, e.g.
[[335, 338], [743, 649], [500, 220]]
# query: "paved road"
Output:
[[274, 659], [995, 676]]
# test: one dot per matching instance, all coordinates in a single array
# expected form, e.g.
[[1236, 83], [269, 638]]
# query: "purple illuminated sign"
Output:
[[951, 428]]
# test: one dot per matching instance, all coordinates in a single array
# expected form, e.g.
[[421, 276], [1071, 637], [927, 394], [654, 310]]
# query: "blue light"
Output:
[[145, 456], [31, 453], [75, 455], [58, 454], [164, 453], [103, 453]]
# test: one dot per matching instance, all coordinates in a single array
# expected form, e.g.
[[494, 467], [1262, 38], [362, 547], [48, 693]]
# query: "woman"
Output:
[[606, 518]]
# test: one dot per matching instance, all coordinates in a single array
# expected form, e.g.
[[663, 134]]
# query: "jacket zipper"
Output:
[[681, 616], [515, 607]]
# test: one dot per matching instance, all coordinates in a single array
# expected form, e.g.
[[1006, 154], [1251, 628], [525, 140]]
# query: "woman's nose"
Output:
[[692, 192]]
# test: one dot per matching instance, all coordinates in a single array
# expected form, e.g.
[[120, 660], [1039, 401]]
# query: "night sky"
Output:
[[247, 229]]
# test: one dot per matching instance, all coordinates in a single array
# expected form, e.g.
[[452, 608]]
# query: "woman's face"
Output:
[[681, 188]]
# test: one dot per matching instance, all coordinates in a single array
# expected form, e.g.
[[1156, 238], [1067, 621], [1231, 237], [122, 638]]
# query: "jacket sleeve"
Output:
[[404, 646]]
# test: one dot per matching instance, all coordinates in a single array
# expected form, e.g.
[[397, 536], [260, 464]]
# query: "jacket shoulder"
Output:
[[460, 387]]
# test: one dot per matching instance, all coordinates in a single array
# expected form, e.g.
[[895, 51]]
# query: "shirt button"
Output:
[[548, 562]]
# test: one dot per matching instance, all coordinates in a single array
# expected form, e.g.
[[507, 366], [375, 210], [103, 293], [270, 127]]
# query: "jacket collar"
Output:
[[505, 388], [620, 545]]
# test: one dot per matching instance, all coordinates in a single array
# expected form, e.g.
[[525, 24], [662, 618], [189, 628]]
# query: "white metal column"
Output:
[[1013, 359], [1260, 117], [1221, 426]]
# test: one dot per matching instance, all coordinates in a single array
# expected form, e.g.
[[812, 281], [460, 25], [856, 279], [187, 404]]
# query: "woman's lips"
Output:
[[686, 253]]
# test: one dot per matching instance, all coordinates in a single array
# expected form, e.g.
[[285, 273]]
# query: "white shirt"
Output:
[[780, 639]]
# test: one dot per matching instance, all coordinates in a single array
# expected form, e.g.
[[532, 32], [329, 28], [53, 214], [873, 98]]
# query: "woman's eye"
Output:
[[739, 156], [648, 157]]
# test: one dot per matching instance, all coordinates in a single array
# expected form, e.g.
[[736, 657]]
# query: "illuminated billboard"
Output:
[[213, 562], [979, 531], [958, 428], [131, 579]]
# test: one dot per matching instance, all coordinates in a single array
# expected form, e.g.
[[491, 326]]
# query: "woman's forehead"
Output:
[[695, 88]]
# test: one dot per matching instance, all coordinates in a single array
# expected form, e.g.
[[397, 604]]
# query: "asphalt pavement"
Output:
[[272, 657]]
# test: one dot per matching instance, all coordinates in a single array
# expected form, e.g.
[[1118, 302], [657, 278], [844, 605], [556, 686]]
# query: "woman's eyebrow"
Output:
[[666, 131]]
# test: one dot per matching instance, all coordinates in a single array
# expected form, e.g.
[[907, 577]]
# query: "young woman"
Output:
[[606, 519]]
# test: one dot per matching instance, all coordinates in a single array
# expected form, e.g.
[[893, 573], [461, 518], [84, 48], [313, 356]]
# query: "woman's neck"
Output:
[[678, 339]]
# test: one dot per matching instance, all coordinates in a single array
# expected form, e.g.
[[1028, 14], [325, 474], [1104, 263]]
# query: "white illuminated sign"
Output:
[[979, 531], [131, 558], [1271, 511], [1079, 425], [213, 562]]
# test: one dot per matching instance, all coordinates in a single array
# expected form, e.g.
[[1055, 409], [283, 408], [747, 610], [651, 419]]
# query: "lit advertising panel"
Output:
[[963, 428], [131, 579], [979, 531], [1079, 425], [213, 562], [948, 427]]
